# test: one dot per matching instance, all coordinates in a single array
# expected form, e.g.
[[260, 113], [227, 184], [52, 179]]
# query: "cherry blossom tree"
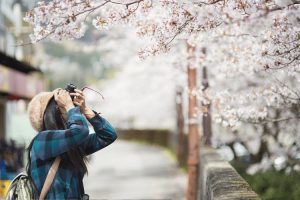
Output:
[[250, 48]]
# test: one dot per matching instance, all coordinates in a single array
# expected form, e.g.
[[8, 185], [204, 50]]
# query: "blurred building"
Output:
[[19, 80]]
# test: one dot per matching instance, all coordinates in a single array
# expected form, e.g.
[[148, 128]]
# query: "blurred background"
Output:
[[146, 100]]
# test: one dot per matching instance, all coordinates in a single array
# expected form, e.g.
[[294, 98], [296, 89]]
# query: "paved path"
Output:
[[129, 170]]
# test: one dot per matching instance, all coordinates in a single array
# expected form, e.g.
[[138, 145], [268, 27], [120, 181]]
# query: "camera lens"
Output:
[[71, 89]]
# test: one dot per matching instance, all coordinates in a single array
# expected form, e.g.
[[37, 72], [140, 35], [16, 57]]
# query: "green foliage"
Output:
[[272, 185]]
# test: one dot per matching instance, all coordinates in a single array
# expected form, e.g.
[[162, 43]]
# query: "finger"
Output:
[[56, 93], [61, 92], [79, 91], [77, 104], [77, 95], [74, 94], [77, 100]]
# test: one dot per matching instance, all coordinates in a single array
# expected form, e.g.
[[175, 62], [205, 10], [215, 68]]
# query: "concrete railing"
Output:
[[219, 180]]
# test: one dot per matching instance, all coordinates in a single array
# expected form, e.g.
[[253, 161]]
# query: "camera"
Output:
[[71, 89]]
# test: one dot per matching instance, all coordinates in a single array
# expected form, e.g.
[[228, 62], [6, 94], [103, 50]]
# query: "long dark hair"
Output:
[[53, 120]]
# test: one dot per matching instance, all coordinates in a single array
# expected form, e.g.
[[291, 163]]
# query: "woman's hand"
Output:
[[63, 99], [79, 100]]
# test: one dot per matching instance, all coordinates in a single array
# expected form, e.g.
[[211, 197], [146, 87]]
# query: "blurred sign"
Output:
[[4, 79], [19, 84], [4, 184]]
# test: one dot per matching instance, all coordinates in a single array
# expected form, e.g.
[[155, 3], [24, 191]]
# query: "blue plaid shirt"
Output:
[[52, 143]]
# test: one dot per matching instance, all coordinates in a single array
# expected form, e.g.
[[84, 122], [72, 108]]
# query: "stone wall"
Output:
[[219, 179]]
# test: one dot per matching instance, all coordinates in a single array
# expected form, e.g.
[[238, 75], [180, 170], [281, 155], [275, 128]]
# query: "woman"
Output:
[[63, 131]]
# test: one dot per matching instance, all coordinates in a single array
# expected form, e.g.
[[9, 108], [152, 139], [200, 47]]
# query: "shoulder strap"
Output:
[[49, 178]]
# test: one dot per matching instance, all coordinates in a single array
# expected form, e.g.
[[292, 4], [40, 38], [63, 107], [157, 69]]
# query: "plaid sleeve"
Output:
[[104, 135], [51, 143]]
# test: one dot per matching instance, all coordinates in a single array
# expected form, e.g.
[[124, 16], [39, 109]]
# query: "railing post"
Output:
[[180, 127], [193, 134]]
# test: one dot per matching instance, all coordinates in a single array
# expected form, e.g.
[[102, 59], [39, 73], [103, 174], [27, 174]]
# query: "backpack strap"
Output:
[[50, 177]]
